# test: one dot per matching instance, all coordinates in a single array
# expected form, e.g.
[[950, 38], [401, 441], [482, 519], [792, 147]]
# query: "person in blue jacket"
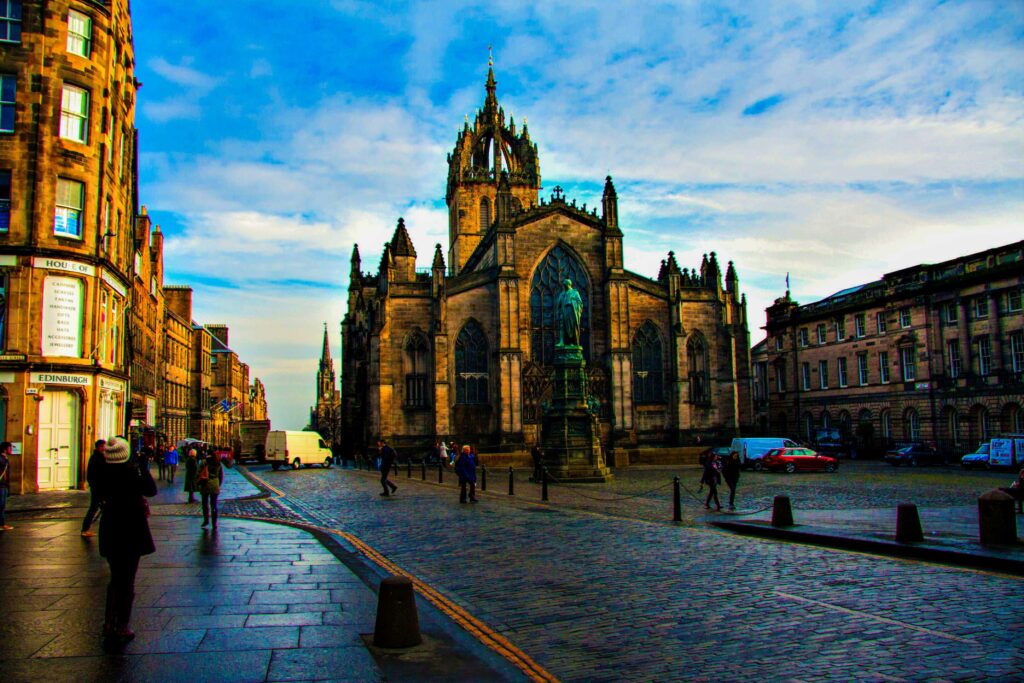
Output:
[[465, 468]]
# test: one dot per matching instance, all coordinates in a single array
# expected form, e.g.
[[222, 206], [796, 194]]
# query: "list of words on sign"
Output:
[[62, 317]]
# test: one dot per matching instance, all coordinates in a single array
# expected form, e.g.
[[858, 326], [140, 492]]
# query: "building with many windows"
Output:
[[177, 364], [465, 350], [67, 205], [929, 353]]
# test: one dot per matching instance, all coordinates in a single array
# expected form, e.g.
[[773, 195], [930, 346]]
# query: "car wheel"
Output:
[[790, 468], [758, 465], [327, 463], [276, 466], [831, 467], [296, 463]]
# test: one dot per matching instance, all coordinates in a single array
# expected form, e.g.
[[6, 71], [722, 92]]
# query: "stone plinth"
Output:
[[570, 437]]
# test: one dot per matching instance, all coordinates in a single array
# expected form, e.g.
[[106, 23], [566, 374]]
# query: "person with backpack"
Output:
[[386, 457], [210, 478], [712, 478]]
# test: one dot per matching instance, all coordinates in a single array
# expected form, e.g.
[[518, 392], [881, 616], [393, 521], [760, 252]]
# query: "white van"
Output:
[[752, 449], [297, 449], [1007, 451]]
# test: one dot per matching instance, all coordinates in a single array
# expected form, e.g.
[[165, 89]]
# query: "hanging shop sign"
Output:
[[111, 384]]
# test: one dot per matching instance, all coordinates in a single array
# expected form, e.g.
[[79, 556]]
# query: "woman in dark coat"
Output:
[[711, 478], [124, 533], [191, 469], [731, 474]]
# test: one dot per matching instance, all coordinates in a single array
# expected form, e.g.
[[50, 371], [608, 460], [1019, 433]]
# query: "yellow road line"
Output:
[[481, 631]]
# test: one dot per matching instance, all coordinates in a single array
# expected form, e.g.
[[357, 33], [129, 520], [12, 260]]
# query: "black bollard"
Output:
[[997, 523], [677, 510], [908, 524], [483, 477], [511, 482], [397, 625], [782, 512], [440, 472], [544, 483], [423, 473], [408, 468]]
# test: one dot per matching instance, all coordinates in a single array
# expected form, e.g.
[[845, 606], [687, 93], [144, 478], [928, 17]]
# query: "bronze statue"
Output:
[[568, 313]]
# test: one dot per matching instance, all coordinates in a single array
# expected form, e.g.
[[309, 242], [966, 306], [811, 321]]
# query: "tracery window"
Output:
[[417, 358], [648, 373], [560, 264], [485, 213], [697, 358], [471, 366]]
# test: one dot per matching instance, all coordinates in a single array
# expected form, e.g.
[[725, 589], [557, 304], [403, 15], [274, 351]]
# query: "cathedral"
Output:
[[464, 351], [325, 416]]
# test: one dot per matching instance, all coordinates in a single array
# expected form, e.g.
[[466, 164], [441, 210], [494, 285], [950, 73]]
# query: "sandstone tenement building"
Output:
[[87, 348], [928, 353], [464, 351]]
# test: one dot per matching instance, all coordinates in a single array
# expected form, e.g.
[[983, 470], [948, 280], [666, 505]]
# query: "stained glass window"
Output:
[[648, 373], [560, 264], [471, 366]]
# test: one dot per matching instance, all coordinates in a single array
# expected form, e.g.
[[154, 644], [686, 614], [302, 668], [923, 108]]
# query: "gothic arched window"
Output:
[[560, 264], [648, 375], [471, 368], [417, 360], [485, 213], [697, 357]]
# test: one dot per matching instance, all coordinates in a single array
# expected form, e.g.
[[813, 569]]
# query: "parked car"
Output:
[[798, 460], [915, 455], [832, 441], [752, 449], [977, 459]]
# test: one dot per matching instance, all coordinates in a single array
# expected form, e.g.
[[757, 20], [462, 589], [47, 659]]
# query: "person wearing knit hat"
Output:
[[123, 486], [116, 451]]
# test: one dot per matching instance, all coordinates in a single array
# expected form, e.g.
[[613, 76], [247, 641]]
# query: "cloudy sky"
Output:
[[831, 140]]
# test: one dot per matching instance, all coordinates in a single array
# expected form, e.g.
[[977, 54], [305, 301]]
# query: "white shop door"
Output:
[[58, 440]]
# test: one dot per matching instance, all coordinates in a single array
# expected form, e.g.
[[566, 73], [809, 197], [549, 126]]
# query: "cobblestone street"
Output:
[[599, 587]]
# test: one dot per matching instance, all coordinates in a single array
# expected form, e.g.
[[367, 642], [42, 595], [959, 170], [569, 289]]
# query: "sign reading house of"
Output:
[[466, 351]]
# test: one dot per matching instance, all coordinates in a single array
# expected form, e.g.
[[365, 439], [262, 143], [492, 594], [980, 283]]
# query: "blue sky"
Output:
[[833, 141]]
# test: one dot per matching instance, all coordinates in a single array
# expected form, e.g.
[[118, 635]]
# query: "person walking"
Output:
[[712, 479], [538, 463], [386, 457], [191, 472], [465, 468], [92, 473], [211, 477], [731, 474], [161, 463], [5, 483], [123, 485], [171, 460]]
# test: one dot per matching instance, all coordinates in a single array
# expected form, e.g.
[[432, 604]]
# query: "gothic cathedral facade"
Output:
[[465, 351]]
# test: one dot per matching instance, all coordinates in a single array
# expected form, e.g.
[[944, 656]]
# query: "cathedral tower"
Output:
[[486, 152]]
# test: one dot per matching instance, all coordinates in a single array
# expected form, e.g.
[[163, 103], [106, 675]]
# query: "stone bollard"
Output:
[[782, 512], [908, 524], [997, 523], [397, 625]]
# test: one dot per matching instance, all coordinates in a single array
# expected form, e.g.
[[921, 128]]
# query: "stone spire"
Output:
[[610, 205], [401, 243]]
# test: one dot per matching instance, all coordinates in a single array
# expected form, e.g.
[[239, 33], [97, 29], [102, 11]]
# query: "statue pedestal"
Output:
[[570, 436]]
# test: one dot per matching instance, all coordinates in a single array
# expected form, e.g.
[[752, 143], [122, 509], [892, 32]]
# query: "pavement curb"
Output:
[[820, 536]]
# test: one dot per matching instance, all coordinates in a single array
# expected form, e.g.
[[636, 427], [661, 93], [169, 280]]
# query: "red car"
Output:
[[798, 459]]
